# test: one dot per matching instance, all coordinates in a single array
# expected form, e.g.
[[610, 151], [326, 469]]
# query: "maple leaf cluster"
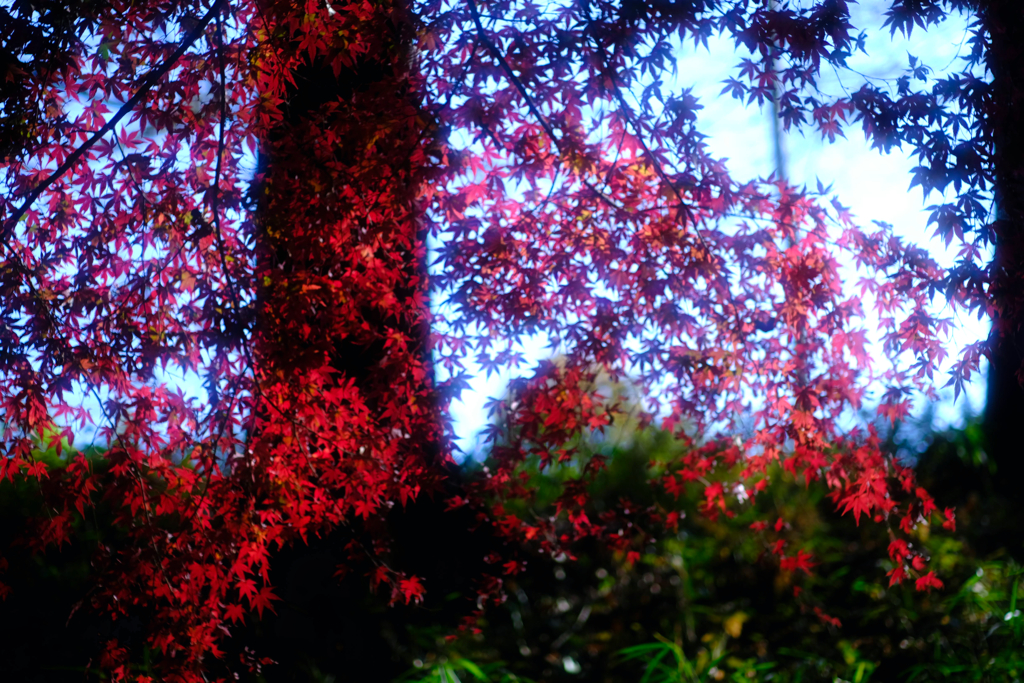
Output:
[[243, 193]]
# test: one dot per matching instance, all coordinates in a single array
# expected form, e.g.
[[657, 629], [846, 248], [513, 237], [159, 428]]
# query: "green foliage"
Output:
[[710, 602], [706, 603], [988, 642], [47, 630], [666, 662], [461, 670]]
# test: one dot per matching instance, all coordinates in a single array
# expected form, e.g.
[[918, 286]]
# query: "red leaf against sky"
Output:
[[257, 210]]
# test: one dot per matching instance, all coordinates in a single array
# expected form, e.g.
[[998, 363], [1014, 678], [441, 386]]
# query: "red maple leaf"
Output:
[[262, 600], [927, 582]]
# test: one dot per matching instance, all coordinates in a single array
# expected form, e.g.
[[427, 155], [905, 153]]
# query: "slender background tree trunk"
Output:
[[1004, 412]]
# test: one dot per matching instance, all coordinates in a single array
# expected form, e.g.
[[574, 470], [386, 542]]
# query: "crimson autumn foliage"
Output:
[[244, 192]]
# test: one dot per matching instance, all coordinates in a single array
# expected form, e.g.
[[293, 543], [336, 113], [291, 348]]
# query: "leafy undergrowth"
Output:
[[709, 601], [712, 602]]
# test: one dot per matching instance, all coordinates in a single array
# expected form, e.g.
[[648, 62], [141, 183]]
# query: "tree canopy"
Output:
[[267, 196]]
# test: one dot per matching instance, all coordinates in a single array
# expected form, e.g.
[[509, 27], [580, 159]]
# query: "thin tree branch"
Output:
[[493, 49], [628, 113], [151, 80], [215, 200]]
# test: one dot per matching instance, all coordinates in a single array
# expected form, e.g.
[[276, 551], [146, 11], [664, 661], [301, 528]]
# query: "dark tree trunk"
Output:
[[310, 192], [1004, 411], [305, 188], [315, 191]]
